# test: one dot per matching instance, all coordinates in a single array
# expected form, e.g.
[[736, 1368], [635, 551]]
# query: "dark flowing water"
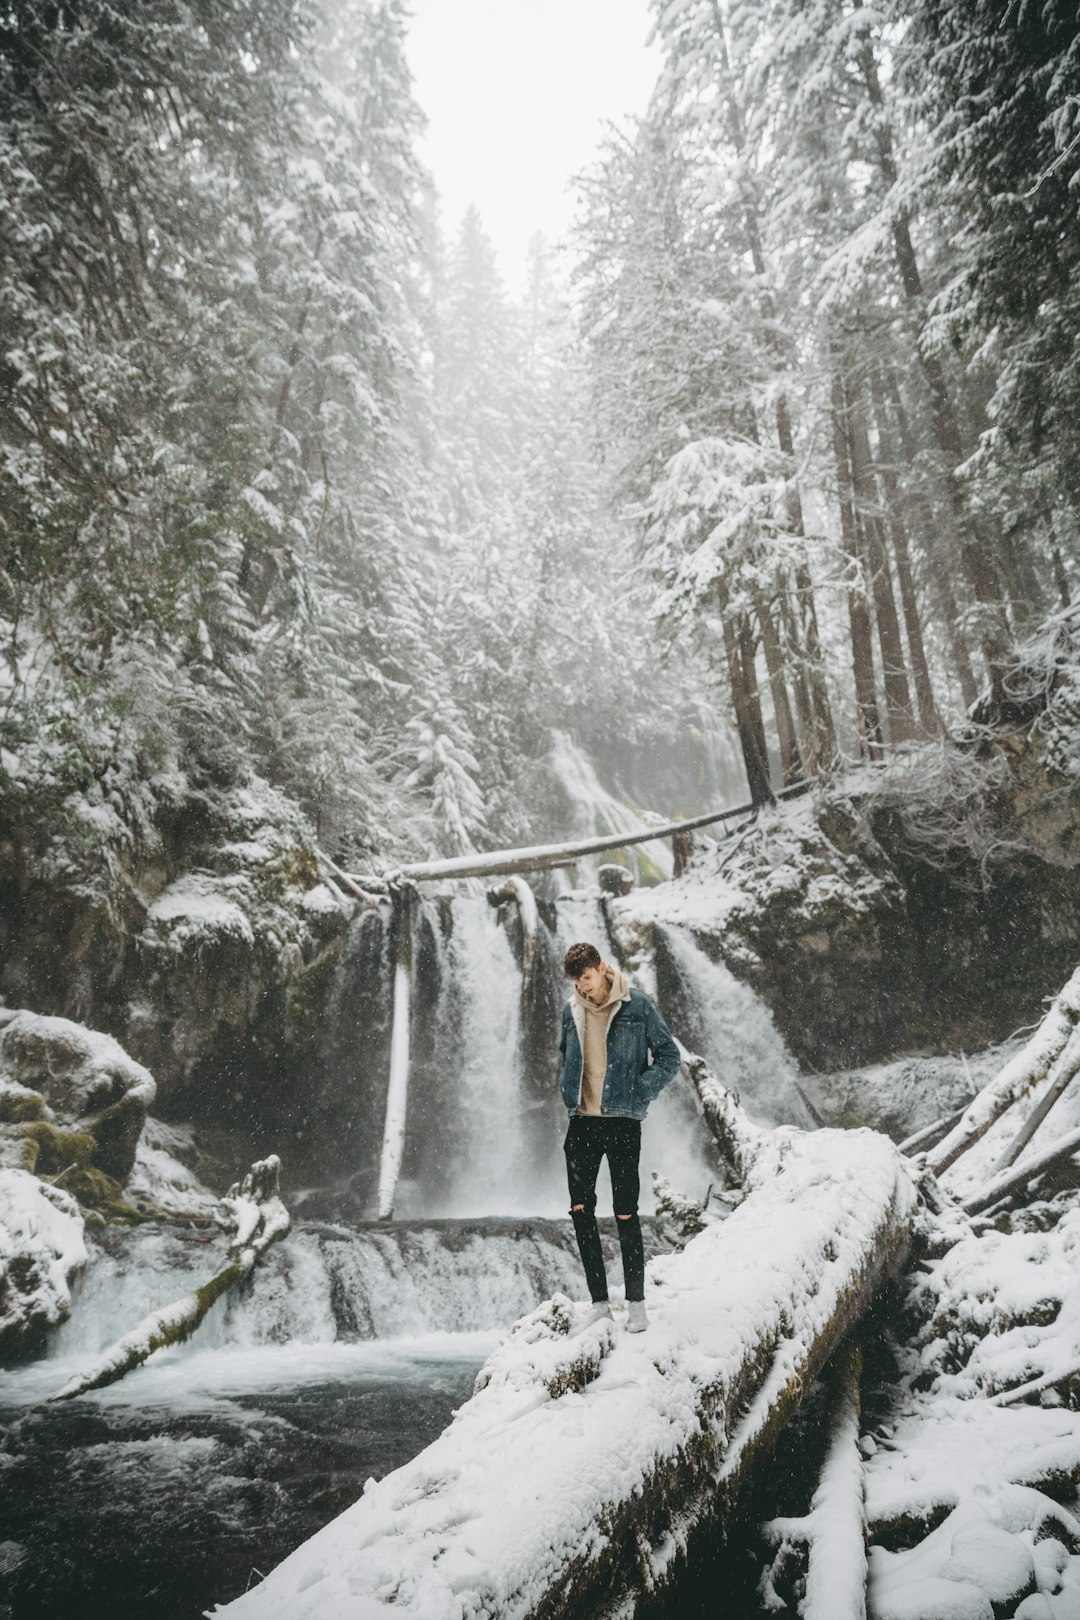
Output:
[[177, 1489]]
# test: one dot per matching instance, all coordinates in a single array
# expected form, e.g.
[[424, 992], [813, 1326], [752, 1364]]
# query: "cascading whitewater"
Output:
[[730, 1026], [328, 1284], [482, 1120]]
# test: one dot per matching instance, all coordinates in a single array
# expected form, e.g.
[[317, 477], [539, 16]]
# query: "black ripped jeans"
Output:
[[588, 1138]]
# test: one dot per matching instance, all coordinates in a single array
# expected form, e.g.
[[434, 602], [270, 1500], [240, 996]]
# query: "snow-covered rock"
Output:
[[84, 1084], [160, 1180], [41, 1250]]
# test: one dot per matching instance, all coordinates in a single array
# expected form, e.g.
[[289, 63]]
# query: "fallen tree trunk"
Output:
[[1020, 1175], [397, 1089], [830, 1541], [541, 857], [1062, 1076], [589, 1465], [1030, 1065], [738, 1139], [254, 1208]]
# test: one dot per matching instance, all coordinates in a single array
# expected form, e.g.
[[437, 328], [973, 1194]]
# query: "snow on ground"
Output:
[[783, 855], [1000, 1308], [160, 1181], [568, 1428], [909, 1093]]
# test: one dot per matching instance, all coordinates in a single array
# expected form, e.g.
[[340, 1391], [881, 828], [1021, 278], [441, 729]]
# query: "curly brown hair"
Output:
[[578, 958]]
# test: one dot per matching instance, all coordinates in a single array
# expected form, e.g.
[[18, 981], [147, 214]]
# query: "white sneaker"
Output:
[[600, 1311], [639, 1319]]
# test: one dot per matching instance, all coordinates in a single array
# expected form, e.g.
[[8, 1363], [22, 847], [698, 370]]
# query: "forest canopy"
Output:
[[293, 489]]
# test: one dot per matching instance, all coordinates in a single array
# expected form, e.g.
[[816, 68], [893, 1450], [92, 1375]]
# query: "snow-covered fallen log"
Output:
[[830, 1540], [543, 857], [397, 1088], [737, 1137], [1023, 1072], [255, 1213], [587, 1463], [1022, 1174], [1061, 1077]]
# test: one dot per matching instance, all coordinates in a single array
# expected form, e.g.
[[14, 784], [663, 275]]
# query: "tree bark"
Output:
[[862, 650], [790, 758], [1030, 1065], [1019, 1175], [1064, 1073], [976, 547], [1061, 579], [751, 734], [939, 574], [894, 670], [397, 1090], [920, 669], [819, 737], [832, 1537]]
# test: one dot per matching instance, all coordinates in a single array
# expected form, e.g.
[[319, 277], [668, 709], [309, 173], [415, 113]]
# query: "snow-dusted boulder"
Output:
[[41, 1249], [67, 1092]]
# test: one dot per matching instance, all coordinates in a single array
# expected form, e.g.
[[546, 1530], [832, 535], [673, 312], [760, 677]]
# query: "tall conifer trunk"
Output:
[[819, 733], [862, 647], [975, 542], [787, 741], [894, 671], [920, 669], [748, 725]]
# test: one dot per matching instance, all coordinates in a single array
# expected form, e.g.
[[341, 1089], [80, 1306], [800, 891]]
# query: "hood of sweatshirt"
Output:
[[620, 989]]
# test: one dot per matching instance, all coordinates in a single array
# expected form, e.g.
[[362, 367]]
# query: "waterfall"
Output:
[[596, 811], [730, 1026], [486, 1164], [483, 1126]]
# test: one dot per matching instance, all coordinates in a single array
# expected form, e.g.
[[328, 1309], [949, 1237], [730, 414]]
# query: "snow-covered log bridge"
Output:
[[587, 1463], [542, 857]]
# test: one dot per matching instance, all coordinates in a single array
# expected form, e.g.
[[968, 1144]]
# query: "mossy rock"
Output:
[[116, 1131], [18, 1103], [97, 1191], [54, 1148], [308, 1000]]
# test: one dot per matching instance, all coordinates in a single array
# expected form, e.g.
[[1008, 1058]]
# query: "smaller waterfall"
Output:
[[596, 811], [731, 1027], [490, 1173]]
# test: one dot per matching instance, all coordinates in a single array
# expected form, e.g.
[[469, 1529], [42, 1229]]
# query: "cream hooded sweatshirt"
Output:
[[594, 1042]]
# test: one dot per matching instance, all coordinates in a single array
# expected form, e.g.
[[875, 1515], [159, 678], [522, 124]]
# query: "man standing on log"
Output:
[[607, 1083]]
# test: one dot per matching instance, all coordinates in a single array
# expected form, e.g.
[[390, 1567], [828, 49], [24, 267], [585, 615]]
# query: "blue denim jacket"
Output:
[[631, 1082]]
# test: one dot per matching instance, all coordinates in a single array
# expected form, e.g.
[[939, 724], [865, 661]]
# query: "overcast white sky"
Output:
[[516, 92]]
